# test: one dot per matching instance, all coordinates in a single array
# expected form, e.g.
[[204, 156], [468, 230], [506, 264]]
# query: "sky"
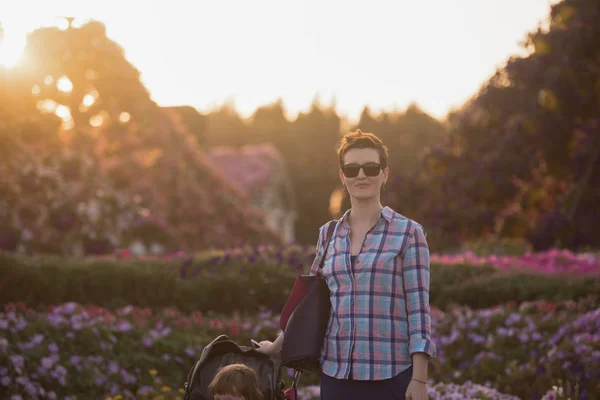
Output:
[[386, 55]]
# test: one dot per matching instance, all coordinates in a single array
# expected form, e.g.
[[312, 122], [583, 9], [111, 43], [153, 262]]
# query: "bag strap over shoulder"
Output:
[[330, 229]]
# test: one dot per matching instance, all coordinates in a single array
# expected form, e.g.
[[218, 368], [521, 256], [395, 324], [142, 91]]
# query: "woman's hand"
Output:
[[416, 391], [266, 347]]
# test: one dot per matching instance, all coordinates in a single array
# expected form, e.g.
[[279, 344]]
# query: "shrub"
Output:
[[247, 282]]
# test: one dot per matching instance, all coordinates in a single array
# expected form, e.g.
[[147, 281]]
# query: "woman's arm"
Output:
[[415, 272]]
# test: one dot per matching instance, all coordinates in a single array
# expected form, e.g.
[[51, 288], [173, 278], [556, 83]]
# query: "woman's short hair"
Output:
[[362, 140], [236, 380]]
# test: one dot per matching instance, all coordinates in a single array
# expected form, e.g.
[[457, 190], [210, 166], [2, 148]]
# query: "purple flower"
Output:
[[128, 379], [60, 374], [145, 390], [3, 324], [37, 339], [47, 362], [190, 352], [5, 381], [74, 360], [20, 325], [53, 348], [22, 380], [99, 380], [113, 367], [523, 337], [96, 359], [18, 362], [76, 325], [31, 389], [68, 308], [124, 326]]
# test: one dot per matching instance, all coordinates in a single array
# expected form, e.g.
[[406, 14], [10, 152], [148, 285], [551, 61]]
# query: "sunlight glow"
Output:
[[47, 106], [89, 99], [36, 90], [96, 120], [434, 53], [62, 23], [63, 112], [79, 22], [124, 117], [64, 84], [11, 51], [68, 124], [336, 200], [90, 74]]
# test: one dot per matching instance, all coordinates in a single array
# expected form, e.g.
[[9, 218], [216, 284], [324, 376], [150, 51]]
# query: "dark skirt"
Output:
[[349, 389]]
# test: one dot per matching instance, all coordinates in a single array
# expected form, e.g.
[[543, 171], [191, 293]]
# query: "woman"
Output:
[[378, 340]]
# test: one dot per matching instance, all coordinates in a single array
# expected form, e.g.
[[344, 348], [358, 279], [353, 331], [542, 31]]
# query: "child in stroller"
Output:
[[222, 352], [235, 382]]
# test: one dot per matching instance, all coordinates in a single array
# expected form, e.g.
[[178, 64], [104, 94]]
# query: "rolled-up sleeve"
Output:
[[416, 278]]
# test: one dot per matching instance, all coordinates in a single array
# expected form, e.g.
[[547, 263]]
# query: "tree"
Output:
[[123, 153], [519, 154]]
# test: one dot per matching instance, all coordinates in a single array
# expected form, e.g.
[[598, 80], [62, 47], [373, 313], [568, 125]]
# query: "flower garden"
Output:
[[508, 339]]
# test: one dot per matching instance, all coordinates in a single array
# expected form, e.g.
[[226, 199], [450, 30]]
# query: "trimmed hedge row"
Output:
[[42, 281]]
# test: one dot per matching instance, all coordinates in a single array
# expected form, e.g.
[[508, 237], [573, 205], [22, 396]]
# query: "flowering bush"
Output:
[[436, 391], [90, 352], [555, 261], [533, 345]]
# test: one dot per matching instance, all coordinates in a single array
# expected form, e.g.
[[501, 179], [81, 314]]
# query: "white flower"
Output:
[[137, 248], [157, 249]]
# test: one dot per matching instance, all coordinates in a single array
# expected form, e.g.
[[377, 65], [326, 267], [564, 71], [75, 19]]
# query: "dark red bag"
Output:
[[305, 317]]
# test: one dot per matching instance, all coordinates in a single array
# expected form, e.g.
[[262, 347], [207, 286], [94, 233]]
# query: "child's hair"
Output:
[[236, 380]]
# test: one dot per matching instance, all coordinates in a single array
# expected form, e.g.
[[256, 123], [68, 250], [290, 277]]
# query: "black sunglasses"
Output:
[[352, 170]]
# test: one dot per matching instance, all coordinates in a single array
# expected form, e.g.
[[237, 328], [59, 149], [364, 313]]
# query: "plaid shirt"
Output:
[[380, 312]]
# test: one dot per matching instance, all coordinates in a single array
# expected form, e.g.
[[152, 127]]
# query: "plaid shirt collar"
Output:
[[344, 227]]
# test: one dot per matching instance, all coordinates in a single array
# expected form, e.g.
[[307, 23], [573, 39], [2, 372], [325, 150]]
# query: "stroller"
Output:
[[221, 352]]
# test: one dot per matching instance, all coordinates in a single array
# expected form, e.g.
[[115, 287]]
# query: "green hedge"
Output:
[[248, 287]]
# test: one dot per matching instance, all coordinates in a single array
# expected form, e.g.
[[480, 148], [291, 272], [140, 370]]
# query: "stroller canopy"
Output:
[[221, 352]]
